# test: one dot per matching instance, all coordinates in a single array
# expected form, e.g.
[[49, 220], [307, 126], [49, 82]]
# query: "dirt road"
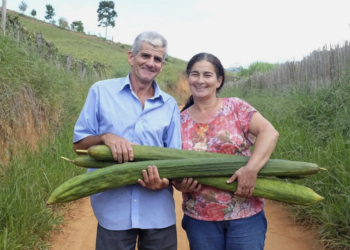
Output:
[[79, 230]]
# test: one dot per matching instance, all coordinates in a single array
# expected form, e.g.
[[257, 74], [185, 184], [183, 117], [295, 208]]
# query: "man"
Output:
[[125, 111]]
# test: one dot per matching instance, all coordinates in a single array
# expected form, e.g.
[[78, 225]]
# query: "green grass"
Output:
[[93, 48], [313, 127], [29, 82], [31, 85], [25, 220]]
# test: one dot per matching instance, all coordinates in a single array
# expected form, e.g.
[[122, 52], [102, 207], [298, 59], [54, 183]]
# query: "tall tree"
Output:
[[63, 23], [106, 14], [33, 13], [50, 12], [3, 17], [23, 7], [77, 26]]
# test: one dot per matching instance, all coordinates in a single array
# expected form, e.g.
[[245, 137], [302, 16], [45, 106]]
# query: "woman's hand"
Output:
[[266, 140], [187, 185], [246, 179]]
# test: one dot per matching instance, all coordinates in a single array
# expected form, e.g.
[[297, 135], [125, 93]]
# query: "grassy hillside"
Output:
[[93, 48], [113, 55], [38, 106]]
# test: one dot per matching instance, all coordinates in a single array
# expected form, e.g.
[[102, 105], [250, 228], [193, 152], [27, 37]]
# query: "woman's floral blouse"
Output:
[[226, 132]]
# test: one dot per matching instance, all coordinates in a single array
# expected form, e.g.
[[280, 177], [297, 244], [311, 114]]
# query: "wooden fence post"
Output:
[[69, 63], [83, 73], [3, 17], [40, 43]]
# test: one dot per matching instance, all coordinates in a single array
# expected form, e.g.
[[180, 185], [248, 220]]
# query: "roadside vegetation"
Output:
[[30, 168], [254, 68], [314, 127], [40, 98]]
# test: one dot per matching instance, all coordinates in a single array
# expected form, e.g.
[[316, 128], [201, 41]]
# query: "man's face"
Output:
[[147, 64]]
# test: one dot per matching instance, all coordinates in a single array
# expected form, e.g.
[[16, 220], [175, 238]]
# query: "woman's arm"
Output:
[[266, 141]]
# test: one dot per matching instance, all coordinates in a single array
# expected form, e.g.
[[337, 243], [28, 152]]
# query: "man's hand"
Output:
[[151, 179], [188, 185], [120, 147]]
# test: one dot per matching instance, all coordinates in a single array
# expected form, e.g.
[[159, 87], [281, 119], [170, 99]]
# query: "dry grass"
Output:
[[21, 123]]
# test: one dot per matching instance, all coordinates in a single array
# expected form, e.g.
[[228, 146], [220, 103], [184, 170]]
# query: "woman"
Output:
[[214, 218]]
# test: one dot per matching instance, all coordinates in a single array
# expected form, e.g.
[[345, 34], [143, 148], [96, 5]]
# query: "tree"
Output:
[[50, 12], [33, 13], [3, 16], [256, 67], [23, 7], [63, 23], [106, 14], [77, 26]]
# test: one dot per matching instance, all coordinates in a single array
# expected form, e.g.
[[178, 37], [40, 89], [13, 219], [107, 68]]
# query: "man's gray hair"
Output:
[[150, 37]]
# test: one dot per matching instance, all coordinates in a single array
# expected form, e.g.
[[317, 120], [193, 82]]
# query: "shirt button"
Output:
[[135, 200]]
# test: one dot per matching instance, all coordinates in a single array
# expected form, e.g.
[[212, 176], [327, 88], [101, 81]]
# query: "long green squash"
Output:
[[150, 153], [86, 161], [146, 153], [120, 175], [271, 189]]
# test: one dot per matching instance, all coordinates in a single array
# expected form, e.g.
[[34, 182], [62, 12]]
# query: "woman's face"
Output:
[[203, 80]]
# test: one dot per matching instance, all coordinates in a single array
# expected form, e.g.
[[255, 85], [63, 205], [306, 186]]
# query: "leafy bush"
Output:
[[255, 67]]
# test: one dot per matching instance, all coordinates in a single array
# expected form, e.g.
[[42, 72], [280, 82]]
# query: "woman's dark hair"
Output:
[[219, 70]]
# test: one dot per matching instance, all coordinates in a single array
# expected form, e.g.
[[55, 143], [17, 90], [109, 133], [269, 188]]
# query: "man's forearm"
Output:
[[88, 142]]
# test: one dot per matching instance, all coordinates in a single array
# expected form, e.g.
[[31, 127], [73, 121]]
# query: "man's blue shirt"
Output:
[[113, 107]]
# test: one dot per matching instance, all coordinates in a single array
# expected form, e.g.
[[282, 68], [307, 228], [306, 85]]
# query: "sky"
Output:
[[239, 33]]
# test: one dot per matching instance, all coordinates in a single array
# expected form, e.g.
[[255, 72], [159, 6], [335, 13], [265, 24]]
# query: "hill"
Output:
[[113, 55], [92, 48]]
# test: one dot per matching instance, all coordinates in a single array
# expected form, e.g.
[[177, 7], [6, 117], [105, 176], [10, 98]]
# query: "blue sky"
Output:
[[237, 32]]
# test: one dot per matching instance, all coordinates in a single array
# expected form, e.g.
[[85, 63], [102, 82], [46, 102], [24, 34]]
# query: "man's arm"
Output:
[[87, 142], [120, 148]]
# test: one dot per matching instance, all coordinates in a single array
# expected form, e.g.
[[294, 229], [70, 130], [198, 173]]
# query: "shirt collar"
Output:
[[158, 93]]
